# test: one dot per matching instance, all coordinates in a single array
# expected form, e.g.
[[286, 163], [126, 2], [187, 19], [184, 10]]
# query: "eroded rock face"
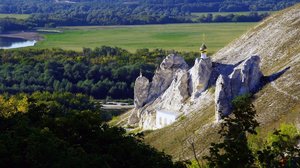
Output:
[[199, 76], [223, 97], [177, 93], [173, 84], [251, 75], [244, 79], [141, 91], [165, 74], [173, 68]]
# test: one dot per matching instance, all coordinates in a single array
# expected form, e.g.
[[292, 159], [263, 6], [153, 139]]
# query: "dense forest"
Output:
[[65, 130], [103, 72], [145, 6], [103, 12]]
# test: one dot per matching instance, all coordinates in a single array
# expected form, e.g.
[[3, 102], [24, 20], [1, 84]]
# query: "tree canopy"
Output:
[[65, 130], [280, 150], [121, 12], [103, 72]]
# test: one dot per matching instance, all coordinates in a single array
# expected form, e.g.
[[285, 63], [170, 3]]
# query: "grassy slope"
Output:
[[276, 103], [182, 37], [176, 139]]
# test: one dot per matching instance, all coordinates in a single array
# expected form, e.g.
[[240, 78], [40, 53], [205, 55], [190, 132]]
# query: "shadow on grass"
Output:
[[268, 79]]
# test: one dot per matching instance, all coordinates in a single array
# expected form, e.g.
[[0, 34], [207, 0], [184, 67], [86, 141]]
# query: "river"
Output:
[[10, 43]]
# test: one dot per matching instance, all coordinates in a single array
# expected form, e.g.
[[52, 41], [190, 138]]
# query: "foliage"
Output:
[[251, 17], [286, 129], [234, 150], [65, 130], [195, 164], [106, 72], [10, 24], [103, 12], [142, 7], [281, 149]]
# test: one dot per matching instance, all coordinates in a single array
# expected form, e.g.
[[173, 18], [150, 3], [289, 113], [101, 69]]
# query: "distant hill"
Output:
[[276, 41], [48, 6]]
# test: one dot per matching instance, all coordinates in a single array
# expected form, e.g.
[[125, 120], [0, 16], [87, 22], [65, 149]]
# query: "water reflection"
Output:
[[10, 43]]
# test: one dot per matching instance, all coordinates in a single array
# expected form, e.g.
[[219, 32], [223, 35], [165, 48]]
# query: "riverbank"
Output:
[[23, 35]]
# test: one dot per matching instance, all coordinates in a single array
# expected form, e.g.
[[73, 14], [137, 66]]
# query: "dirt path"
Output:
[[283, 92]]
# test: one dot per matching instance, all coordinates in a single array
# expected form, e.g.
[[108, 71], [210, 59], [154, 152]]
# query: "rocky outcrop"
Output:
[[199, 76], [165, 74], [223, 96], [177, 93], [244, 79], [141, 91], [173, 69], [174, 87]]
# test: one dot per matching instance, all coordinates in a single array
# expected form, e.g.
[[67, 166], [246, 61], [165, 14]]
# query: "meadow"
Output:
[[180, 37], [17, 16]]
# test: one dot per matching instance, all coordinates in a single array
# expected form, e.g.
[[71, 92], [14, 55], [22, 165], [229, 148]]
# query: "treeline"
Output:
[[65, 130], [251, 17], [13, 24], [103, 72], [52, 14], [185, 6], [65, 18]]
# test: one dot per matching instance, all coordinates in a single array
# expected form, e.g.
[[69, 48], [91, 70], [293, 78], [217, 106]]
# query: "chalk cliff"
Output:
[[178, 89]]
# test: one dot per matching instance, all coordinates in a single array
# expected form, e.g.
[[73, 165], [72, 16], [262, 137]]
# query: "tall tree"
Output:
[[234, 150]]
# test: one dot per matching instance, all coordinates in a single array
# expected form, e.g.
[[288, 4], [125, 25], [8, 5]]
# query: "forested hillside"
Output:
[[65, 130], [104, 72], [102, 12], [48, 6]]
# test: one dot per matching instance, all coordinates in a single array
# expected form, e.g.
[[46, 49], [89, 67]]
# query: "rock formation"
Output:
[[177, 93], [199, 76], [244, 79], [223, 96], [174, 87], [141, 91], [172, 69], [165, 74]]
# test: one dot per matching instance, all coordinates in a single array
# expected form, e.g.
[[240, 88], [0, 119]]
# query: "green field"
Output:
[[17, 16], [181, 37]]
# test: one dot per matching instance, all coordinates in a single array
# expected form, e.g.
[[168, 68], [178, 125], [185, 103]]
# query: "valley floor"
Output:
[[180, 37]]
